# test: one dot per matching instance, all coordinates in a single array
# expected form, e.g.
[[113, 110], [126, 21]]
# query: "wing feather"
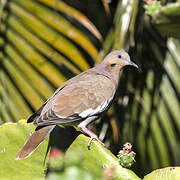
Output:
[[89, 94]]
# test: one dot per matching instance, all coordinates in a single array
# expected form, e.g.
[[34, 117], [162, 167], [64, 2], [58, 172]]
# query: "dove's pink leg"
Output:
[[84, 129]]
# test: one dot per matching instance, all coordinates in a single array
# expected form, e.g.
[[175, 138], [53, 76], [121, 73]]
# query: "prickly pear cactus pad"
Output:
[[172, 173], [81, 163], [67, 168], [165, 17], [126, 156], [99, 159], [12, 138]]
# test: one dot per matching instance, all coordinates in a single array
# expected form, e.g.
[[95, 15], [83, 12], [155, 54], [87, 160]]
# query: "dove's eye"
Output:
[[119, 56], [112, 65]]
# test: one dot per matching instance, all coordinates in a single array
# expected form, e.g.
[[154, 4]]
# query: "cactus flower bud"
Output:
[[126, 156]]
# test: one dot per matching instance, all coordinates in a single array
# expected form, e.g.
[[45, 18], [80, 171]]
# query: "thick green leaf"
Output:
[[98, 157], [72, 173], [13, 136], [164, 174]]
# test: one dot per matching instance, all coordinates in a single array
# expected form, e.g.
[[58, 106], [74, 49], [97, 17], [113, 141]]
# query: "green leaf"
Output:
[[13, 136], [72, 173], [60, 24], [72, 12], [165, 173], [97, 157]]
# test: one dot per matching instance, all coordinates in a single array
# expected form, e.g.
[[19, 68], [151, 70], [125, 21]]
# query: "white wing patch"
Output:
[[90, 111]]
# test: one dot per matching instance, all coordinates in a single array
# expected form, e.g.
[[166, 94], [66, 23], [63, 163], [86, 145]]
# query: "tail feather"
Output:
[[34, 141]]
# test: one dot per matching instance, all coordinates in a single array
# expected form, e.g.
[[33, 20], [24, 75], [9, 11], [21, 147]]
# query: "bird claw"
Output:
[[96, 138], [92, 136]]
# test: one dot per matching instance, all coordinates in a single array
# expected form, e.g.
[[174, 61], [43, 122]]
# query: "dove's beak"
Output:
[[130, 63]]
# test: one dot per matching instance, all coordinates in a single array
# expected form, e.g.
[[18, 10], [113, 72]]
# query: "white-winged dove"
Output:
[[78, 102]]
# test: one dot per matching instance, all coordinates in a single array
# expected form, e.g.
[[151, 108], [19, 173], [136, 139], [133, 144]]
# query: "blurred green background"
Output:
[[45, 42]]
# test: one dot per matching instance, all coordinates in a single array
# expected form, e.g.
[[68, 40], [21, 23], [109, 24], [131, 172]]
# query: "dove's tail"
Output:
[[34, 141]]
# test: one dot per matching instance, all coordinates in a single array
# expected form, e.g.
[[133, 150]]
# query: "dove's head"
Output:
[[115, 61], [118, 59]]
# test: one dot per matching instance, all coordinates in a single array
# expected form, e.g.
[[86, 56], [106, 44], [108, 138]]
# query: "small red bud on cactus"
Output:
[[55, 153], [56, 159], [149, 1], [126, 156]]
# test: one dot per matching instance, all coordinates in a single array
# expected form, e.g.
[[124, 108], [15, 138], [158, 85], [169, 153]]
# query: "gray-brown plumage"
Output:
[[79, 101]]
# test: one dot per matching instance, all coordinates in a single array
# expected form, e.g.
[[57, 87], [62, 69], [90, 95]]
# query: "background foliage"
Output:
[[45, 42]]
